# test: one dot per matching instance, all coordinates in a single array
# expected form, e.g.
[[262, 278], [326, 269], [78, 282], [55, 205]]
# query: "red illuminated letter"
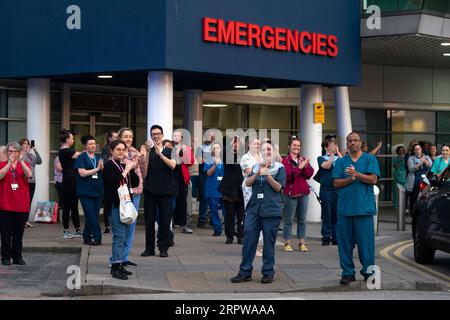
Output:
[[241, 32], [209, 28], [267, 40], [280, 39], [225, 34], [292, 40], [254, 33], [307, 48], [321, 44], [332, 46]]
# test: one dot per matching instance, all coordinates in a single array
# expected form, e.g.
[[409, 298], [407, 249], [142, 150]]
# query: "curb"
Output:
[[53, 249], [385, 286], [100, 289]]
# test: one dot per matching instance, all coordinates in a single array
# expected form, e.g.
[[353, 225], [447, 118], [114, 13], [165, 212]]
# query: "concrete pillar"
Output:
[[193, 122], [311, 136], [343, 115], [160, 101], [38, 129], [193, 109]]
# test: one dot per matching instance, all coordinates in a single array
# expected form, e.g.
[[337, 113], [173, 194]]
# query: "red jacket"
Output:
[[296, 184], [187, 161], [10, 200]]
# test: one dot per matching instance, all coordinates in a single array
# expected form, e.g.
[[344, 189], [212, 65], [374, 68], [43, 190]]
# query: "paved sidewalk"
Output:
[[201, 263]]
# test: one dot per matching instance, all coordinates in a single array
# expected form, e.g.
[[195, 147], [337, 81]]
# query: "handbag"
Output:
[[127, 211], [317, 176], [46, 212]]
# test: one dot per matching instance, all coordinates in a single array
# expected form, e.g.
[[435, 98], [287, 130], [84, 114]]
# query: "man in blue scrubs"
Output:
[[354, 176]]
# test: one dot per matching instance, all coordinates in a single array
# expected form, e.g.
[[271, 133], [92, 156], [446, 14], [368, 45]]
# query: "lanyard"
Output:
[[13, 172], [94, 162], [120, 168], [220, 169]]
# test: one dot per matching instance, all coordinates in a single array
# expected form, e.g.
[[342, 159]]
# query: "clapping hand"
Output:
[[350, 170], [100, 165]]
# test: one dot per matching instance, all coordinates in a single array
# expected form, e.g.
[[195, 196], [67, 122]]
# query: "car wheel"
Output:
[[422, 252]]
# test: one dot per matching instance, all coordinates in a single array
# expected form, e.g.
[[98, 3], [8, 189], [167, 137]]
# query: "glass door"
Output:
[[96, 124]]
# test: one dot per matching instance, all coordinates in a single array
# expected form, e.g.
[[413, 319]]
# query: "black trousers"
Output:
[[164, 205], [12, 225], [235, 215], [70, 206], [59, 189], [180, 214]]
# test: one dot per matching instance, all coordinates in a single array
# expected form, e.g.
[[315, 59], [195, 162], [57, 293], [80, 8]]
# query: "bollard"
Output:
[[401, 221], [376, 192]]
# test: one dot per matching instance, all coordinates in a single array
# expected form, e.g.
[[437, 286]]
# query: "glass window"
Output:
[[87, 102], [443, 122], [16, 130], [434, 5], [414, 121], [17, 104], [330, 119], [139, 108], [368, 120], [270, 117], [55, 106], [220, 117]]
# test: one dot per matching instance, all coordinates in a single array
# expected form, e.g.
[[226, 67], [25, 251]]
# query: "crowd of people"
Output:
[[247, 186], [410, 165]]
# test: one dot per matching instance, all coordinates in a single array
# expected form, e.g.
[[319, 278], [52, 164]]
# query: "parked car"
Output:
[[431, 218]]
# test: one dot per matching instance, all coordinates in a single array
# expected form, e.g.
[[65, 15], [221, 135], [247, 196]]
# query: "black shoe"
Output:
[[125, 271], [171, 243], [92, 243], [19, 262], [163, 254], [217, 234], [325, 243], [267, 279], [200, 224], [241, 278], [117, 273], [129, 263], [334, 242], [239, 240], [346, 280], [147, 253], [6, 262], [107, 230], [229, 241]]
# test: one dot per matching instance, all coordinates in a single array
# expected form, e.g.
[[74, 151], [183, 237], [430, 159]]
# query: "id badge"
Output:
[[95, 176], [219, 178], [14, 186], [260, 195]]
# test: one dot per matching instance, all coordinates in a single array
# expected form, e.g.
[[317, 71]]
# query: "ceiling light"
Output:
[[241, 87], [215, 105], [445, 44], [447, 54], [105, 76]]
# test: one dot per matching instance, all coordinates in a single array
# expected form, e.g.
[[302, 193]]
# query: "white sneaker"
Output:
[[68, 235], [78, 234]]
